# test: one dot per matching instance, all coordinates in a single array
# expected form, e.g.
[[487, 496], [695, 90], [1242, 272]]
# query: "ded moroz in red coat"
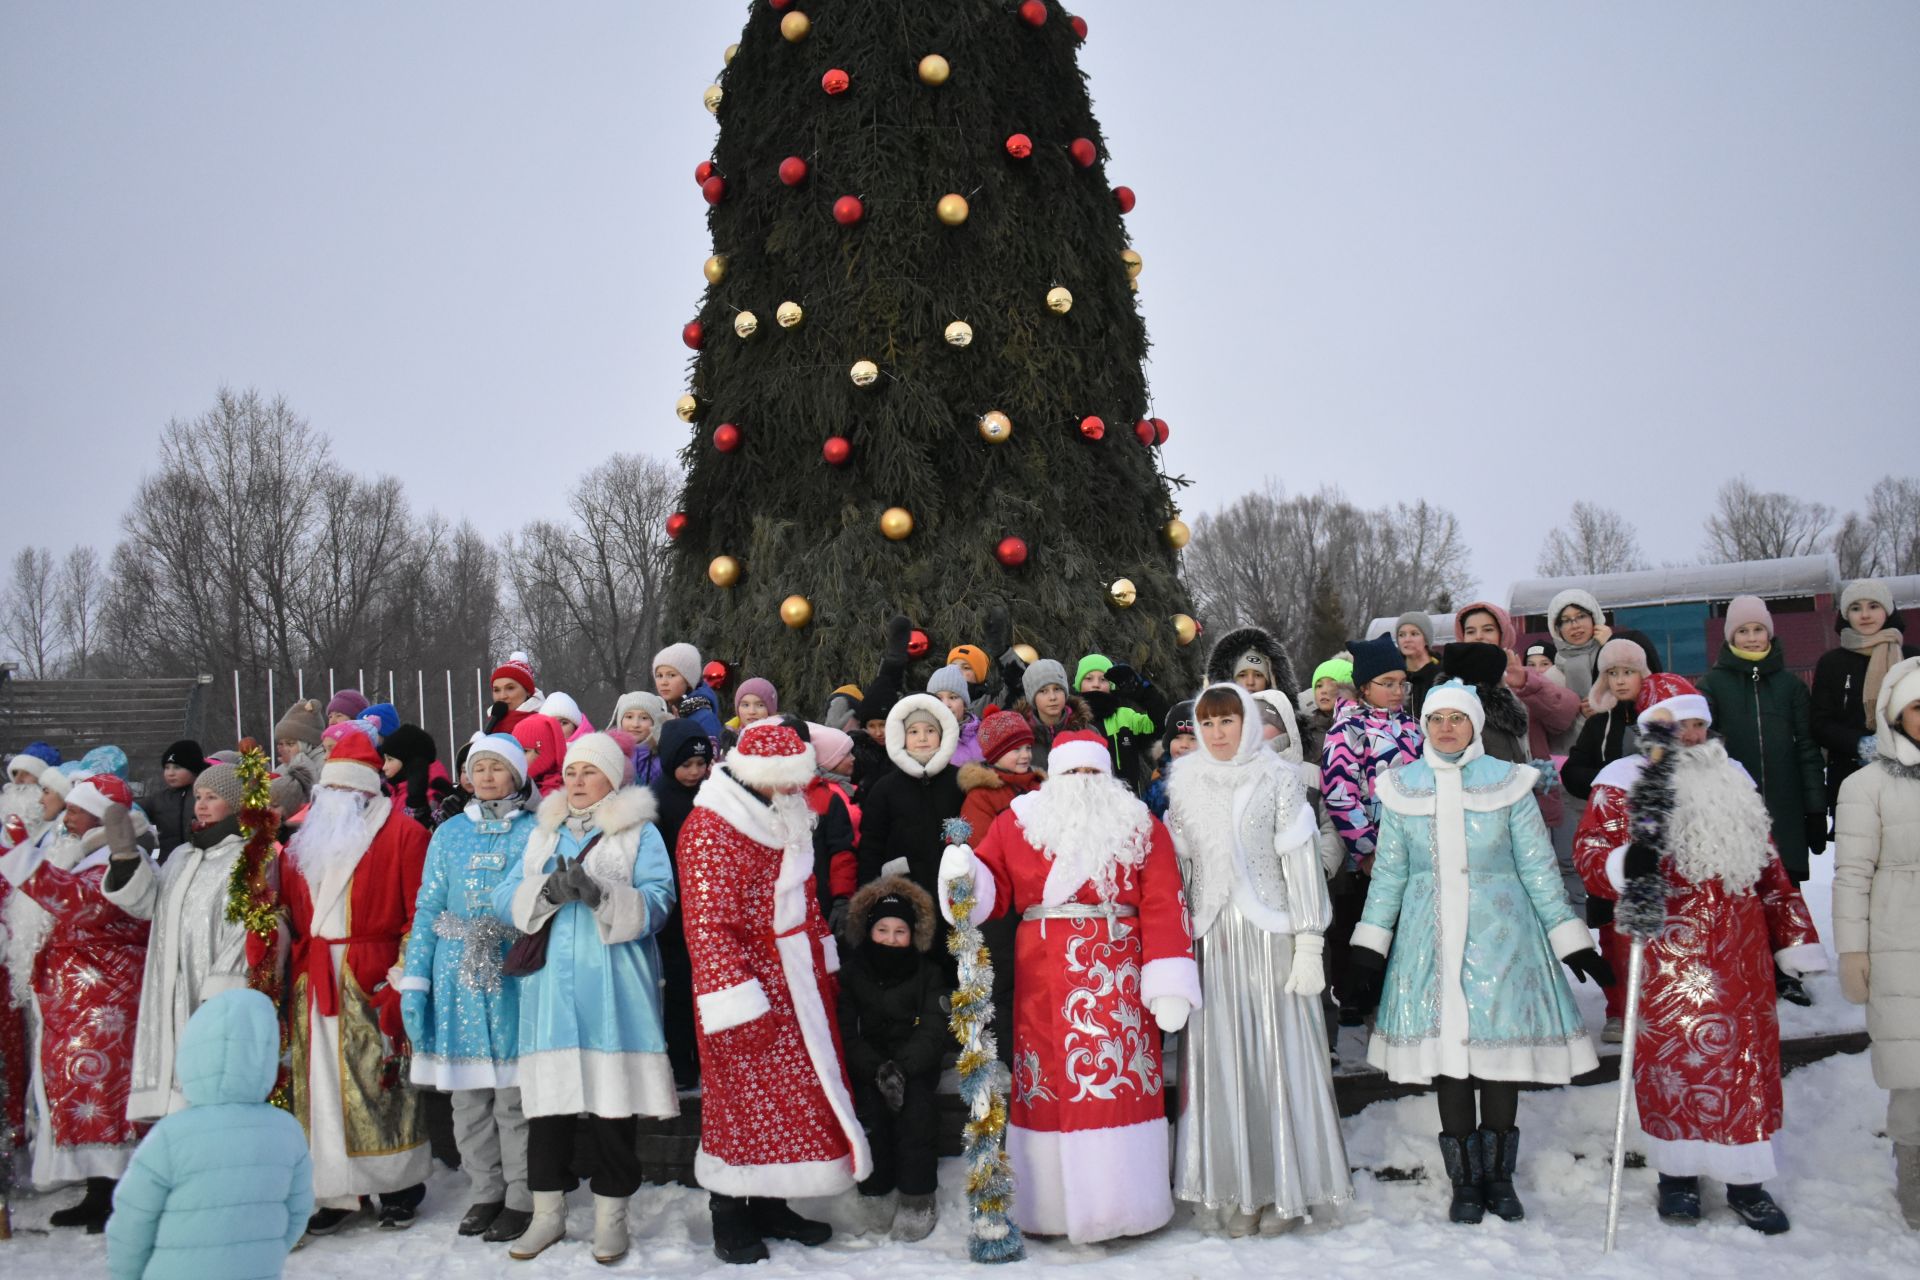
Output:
[[1707, 1065], [777, 1116], [1087, 1133]]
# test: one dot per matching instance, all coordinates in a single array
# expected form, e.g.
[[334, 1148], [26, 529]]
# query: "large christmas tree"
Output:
[[919, 383]]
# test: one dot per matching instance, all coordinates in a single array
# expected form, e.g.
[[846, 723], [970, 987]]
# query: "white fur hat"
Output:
[[33, 766]]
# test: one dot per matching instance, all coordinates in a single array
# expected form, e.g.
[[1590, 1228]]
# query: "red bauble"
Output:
[[1123, 196], [726, 437], [848, 210], [1092, 427], [1083, 152], [779, 6], [793, 171], [917, 643], [676, 524], [714, 189], [1012, 552], [1160, 432], [715, 673], [1019, 146], [703, 171], [1033, 13], [836, 450], [1079, 25], [835, 82], [1143, 432], [694, 334]]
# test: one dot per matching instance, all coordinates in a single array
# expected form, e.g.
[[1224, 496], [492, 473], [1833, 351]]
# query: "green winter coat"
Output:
[[1766, 716]]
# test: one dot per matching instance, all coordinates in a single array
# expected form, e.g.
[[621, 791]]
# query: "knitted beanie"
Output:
[[1866, 589], [832, 748], [1744, 609], [951, 678], [286, 793], [184, 754], [1001, 732], [1418, 619], [303, 724], [350, 703], [1338, 670], [223, 782], [973, 658], [603, 754], [683, 659], [1375, 657], [762, 688], [1102, 663], [1045, 672]]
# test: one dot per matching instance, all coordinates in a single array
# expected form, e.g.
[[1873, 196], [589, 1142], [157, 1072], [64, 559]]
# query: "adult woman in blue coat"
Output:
[[222, 1189], [462, 1015], [596, 877], [1464, 919]]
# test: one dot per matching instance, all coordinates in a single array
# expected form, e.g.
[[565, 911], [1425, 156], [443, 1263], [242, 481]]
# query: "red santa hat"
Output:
[[1080, 749], [518, 670], [95, 793], [1673, 694], [352, 763], [771, 755]]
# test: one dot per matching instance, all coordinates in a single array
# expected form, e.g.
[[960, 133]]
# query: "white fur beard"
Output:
[[1089, 823], [20, 800], [334, 832], [1720, 829]]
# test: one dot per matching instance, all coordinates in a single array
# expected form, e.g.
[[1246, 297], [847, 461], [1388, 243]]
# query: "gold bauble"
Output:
[[727, 57], [959, 334], [687, 407], [1132, 261], [795, 26], [1059, 301], [1184, 629], [934, 69], [796, 611], [864, 373], [1026, 653], [896, 523], [995, 427], [712, 98], [723, 571], [1176, 533], [715, 268], [789, 314], [1123, 592], [952, 209], [746, 324]]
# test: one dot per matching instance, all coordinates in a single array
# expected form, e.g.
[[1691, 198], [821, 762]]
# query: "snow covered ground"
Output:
[[1836, 1182]]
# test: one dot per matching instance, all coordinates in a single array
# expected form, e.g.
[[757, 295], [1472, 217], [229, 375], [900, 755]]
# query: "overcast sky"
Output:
[[1499, 256]]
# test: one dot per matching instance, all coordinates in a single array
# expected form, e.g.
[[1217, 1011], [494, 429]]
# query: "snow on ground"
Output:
[[1835, 1182]]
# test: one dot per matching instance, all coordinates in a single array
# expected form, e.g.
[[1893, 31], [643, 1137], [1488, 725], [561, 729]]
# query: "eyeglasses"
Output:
[[1390, 683]]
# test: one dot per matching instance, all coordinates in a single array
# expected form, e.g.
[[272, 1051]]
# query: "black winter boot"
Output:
[[1500, 1151], [1466, 1170], [1756, 1208], [1679, 1200], [93, 1210], [778, 1222], [735, 1238], [481, 1216]]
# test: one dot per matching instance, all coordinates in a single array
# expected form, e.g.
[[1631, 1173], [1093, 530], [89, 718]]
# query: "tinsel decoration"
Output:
[[1643, 905], [481, 953], [991, 1233], [252, 900]]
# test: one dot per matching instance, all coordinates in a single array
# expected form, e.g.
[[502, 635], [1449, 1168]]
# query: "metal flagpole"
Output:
[[238, 732], [300, 680], [453, 749], [271, 713], [420, 684], [392, 697]]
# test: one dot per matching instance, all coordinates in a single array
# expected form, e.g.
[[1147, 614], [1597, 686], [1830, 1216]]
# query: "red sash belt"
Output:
[[319, 966]]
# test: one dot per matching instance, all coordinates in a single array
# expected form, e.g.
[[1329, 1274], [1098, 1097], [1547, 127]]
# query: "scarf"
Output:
[[204, 838], [1749, 655], [1883, 650]]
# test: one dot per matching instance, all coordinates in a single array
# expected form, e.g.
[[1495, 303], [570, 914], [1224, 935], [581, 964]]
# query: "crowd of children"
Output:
[[576, 927]]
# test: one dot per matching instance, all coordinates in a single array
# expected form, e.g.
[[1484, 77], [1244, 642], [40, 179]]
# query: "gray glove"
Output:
[[837, 917], [561, 888], [892, 1083], [585, 888], [117, 825]]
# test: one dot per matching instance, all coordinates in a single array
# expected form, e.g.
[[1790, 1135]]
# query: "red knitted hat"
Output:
[[518, 672], [771, 755], [1003, 731]]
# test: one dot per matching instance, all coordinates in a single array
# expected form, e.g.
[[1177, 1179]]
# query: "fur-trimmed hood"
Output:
[[978, 777], [1079, 714], [1898, 689], [1252, 639], [1583, 599], [897, 735], [625, 809], [860, 910]]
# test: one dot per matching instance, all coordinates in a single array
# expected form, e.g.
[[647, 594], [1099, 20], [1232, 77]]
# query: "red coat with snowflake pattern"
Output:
[[1707, 1064]]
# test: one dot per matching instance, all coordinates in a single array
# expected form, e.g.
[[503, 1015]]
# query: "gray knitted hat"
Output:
[[1041, 674]]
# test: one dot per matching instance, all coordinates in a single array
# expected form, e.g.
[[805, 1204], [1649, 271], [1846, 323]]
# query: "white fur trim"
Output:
[[1177, 976], [794, 1178], [830, 950], [569, 1082], [1091, 1184], [1418, 1063], [1809, 957], [1617, 868], [1373, 938], [88, 799], [897, 735], [1066, 756], [431, 1071], [733, 1006], [33, 766], [772, 773], [816, 1032], [1569, 936], [1738, 1163], [413, 982], [1682, 706], [352, 775]]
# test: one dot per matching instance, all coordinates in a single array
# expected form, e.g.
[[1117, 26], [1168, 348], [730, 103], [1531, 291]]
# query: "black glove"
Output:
[[495, 714], [899, 633], [1816, 833], [1125, 679], [585, 888], [999, 628], [561, 889], [1588, 963], [1366, 975], [1642, 860], [892, 1083], [837, 917]]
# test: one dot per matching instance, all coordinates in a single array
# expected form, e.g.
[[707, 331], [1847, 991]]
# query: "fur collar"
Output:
[[1234, 643], [978, 777], [1899, 769], [1505, 711], [625, 809], [1078, 715], [860, 909]]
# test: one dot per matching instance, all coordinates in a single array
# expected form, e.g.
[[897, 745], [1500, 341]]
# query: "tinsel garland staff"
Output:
[[1641, 914], [992, 1235], [251, 899]]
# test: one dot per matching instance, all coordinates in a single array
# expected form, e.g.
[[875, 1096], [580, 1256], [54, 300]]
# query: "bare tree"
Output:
[[30, 611], [1747, 524], [1893, 511], [1308, 566], [1594, 539], [1855, 545], [82, 593]]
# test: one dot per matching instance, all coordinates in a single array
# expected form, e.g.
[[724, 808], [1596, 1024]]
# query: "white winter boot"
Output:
[[609, 1229], [876, 1213], [916, 1218], [1275, 1223], [549, 1226], [1906, 1185], [1239, 1223]]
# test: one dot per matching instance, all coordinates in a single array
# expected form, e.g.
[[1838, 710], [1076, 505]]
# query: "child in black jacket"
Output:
[[893, 1027]]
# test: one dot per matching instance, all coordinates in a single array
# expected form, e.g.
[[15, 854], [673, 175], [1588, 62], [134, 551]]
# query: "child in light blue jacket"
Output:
[[223, 1189]]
